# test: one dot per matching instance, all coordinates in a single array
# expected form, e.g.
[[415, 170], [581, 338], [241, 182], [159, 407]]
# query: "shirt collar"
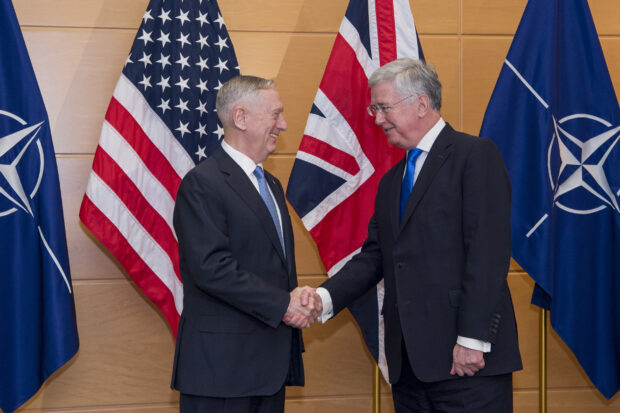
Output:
[[427, 141], [241, 159]]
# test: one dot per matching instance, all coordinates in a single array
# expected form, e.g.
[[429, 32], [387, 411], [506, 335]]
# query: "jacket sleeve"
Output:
[[359, 275], [486, 236]]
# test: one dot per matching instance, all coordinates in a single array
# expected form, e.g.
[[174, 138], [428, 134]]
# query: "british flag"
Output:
[[161, 122], [343, 154]]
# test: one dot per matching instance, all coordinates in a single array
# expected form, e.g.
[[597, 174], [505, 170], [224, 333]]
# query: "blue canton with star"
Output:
[[181, 56]]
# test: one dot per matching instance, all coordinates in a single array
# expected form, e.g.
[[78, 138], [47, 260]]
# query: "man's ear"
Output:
[[424, 105], [239, 116]]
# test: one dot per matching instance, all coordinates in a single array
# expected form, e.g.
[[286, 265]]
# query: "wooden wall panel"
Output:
[[125, 355], [436, 16], [78, 48], [611, 49], [284, 15], [482, 61], [444, 53], [605, 14], [492, 16], [319, 16], [331, 350], [81, 13], [296, 62], [77, 70]]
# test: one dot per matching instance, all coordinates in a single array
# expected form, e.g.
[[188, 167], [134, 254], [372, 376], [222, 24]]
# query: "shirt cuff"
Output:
[[471, 343], [328, 307]]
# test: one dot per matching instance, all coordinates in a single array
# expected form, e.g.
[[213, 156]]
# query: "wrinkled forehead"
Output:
[[383, 93], [271, 100]]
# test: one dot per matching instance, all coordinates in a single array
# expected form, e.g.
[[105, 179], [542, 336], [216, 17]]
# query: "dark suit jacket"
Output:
[[445, 264], [236, 281]]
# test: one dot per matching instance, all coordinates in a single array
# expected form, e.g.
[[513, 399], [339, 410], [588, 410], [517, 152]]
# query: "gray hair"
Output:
[[410, 77], [236, 89]]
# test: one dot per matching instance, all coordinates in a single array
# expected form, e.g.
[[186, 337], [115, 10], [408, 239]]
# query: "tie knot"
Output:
[[413, 155], [258, 172]]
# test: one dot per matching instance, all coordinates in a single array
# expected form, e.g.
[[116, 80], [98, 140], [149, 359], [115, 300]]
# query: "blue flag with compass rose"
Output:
[[555, 117], [38, 332]]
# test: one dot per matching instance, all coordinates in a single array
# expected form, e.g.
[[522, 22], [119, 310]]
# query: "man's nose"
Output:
[[379, 118], [281, 124]]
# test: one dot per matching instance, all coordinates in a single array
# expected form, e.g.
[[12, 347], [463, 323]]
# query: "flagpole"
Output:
[[376, 396], [542, 368]]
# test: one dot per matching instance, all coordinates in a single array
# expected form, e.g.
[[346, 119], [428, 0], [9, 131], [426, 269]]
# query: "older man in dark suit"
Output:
[[440, 238], [234, 352]]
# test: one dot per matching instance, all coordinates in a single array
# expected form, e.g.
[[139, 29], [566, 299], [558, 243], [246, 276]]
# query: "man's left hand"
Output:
[[465, 361]]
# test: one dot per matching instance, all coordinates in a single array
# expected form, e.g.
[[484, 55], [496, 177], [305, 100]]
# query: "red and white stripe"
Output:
[[129, 200], [347, 143]]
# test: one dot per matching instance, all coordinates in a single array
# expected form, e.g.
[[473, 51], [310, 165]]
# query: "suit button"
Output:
[[399, 265]]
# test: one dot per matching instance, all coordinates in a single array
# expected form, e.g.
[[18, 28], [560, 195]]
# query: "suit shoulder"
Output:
[[201, 174], [474, 142]]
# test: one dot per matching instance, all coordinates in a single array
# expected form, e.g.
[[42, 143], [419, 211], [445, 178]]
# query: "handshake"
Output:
[[304, 308]]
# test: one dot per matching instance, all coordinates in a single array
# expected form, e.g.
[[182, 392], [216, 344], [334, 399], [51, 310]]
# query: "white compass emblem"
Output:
[[17, 186], [15, 194], [576, 164]]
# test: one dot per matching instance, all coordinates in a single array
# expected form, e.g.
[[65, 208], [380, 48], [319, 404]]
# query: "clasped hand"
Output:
[[304, 308]]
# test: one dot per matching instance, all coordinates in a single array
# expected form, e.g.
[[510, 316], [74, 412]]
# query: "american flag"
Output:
[[161, 122], [343, 154]]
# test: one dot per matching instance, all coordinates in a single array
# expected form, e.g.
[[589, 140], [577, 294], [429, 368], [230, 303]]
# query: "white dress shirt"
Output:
[[248, 166]]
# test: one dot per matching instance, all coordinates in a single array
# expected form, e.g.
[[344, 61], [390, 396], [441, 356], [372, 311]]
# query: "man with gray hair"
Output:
[[440, 240], [239, 341]]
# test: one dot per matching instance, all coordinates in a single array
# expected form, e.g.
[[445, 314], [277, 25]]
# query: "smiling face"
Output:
[[404, 123], [264, 122]]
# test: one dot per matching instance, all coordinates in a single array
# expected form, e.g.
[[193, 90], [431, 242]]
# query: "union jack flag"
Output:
[[343, 154], [161, 122]]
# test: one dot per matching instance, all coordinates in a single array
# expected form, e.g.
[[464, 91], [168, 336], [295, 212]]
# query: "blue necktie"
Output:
[[407, 184], [264, 193]]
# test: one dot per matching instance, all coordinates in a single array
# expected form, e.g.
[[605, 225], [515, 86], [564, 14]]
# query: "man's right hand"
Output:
[[304, 308]]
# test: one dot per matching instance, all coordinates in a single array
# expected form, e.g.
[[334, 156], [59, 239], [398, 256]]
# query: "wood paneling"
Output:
[[436, 16], [483, 58], [605, 14], [78, 48], [77, 70], [611, 49], [319, 16], [444, 53], [81, 13], [125, 355], [492, 16]]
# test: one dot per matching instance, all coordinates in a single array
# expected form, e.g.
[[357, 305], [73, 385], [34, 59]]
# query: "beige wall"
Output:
[[78, 48]]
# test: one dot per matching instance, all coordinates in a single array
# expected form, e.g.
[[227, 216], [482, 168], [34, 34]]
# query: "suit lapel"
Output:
[[440, 151], [241, 184], [287, 233], [394, 192]]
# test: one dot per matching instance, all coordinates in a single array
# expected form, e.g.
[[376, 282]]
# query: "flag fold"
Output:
[[37, 310], [555, 117], [343, 154], [160, 123]]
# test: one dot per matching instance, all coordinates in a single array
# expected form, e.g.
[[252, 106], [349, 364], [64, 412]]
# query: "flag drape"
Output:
[[555, 117], [160, 123], [343, 154], [37, 311]]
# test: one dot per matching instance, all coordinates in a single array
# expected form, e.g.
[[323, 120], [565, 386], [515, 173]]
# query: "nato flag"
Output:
[[37, 313], [555, 117]]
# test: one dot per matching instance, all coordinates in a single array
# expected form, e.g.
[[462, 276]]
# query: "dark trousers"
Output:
[[477, 394], [253, 404]]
